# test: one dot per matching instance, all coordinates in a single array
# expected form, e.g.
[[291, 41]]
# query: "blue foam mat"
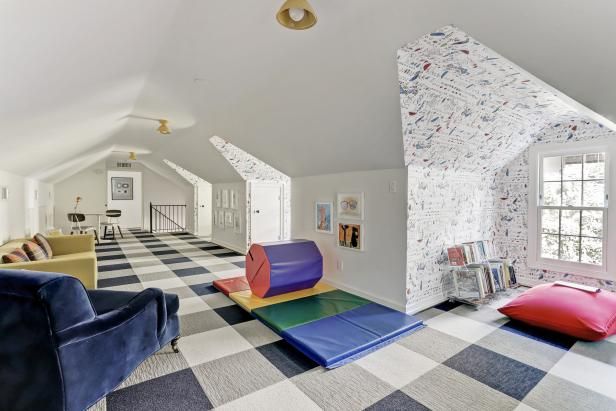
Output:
[[345, 337]]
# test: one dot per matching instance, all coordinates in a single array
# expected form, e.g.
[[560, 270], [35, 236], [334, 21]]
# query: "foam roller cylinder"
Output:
[[283, 267]]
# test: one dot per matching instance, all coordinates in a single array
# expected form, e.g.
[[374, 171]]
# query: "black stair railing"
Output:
[[167, 218]]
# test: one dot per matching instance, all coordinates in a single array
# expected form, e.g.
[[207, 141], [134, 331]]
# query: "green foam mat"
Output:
[[289, 314]]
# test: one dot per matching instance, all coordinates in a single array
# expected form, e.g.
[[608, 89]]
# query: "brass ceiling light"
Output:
[[296, 15], [132, 156], [164, 128]]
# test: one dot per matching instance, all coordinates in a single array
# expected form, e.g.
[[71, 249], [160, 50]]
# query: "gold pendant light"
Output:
[[132, 156], [164, 128], [296, 15]]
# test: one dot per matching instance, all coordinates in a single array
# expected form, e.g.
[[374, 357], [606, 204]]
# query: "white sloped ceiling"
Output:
[[311, 102]]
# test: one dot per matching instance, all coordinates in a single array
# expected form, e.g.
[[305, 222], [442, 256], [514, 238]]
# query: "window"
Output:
[[573, 207], [569, 214]]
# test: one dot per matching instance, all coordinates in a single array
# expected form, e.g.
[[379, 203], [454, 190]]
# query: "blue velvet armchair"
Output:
[[63, 347]]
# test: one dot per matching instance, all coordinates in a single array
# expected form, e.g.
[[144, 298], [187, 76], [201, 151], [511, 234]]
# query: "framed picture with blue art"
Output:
[[323, 217]]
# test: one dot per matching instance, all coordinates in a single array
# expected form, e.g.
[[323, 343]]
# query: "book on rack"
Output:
[[456, 256], [468, 284], [472, 252]]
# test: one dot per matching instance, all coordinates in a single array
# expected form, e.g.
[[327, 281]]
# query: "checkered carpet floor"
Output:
[[465, 359]]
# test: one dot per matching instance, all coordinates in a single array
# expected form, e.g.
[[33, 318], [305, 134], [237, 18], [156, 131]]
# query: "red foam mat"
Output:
[[231, 285]]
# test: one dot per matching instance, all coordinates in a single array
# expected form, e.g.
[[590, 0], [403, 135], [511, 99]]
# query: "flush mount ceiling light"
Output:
[[132, 156], [296, 15], [164, 128]]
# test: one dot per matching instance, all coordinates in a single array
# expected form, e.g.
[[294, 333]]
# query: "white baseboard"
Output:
[[229, 246], [424, 305], [383, 301]]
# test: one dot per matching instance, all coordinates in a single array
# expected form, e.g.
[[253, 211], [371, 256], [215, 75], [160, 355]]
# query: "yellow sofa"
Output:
[[72, 254]]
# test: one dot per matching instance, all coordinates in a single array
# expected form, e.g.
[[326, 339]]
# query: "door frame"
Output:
[[249, 187]]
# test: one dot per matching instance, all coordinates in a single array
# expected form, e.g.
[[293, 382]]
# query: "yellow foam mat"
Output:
[[249, 302]]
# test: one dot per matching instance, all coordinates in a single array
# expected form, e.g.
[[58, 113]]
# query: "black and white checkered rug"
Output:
[[465, 359]]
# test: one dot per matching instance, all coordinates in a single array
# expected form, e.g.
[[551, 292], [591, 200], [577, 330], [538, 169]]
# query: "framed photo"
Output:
[[221, 219], [351, 236], [237, 222], [218, 199], [323, 217], [350, 205], [228, 219], [225, 198], [121, 188], [234, 202], [4, 193]]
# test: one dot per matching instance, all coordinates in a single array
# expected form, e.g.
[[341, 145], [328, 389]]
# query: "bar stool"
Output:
[[113, 221]]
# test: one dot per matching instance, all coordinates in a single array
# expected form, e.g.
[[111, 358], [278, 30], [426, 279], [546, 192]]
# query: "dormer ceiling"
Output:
[[307, 102]]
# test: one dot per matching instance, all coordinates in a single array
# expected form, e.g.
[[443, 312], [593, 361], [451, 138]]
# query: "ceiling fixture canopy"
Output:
[[164, 128], [296, 15]]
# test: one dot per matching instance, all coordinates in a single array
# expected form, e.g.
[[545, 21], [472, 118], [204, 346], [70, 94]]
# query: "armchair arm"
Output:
[[151, 299], [71, 244]]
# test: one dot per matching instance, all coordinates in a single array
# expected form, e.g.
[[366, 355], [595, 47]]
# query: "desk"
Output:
[[98, 220]]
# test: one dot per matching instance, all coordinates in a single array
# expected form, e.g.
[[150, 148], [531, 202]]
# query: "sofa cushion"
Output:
[[34, 251], [74, 256], [16, 256], [582, 314], [44, 244]]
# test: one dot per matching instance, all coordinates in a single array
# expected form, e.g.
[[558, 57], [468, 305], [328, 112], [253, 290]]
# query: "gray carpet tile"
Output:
[[505, 374], [235, 376], [445, 389], [557, 394], [434, 344], [345, 388]]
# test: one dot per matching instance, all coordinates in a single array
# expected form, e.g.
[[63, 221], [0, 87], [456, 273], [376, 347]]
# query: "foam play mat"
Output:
[[330, 326]]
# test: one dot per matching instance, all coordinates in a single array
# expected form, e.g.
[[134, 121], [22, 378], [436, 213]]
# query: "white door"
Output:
[[203, 192], [265, 211], [124, 193]]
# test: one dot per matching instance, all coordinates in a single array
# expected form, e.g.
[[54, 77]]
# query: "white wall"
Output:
[[379, 272], [22, 215], [226, 236], [91, 185]]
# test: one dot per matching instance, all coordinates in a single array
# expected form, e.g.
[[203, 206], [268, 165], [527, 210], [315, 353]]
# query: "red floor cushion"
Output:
[[585, 315]]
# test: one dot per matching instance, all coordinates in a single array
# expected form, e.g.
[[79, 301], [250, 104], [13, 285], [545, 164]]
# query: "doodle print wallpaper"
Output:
[[468, 118], [251, 168]]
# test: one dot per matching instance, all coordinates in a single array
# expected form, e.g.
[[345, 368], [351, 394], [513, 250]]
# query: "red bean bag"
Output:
[[585, 315]]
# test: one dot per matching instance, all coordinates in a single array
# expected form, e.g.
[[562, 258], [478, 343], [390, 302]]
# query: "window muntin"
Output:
[[573, 208]]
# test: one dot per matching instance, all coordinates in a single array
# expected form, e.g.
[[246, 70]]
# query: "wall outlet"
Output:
[[393, 186], [339, 265]]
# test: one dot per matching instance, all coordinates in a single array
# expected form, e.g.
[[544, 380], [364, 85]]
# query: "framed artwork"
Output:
[[351, 236], [225, 198], [234, 202], [218, 198], [228, 219], [350, 205], [4, 193], [221, 219], [237, 222], [323, 217], [121, 188]]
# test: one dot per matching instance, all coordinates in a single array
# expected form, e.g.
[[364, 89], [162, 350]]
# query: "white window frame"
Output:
[[535, 160]]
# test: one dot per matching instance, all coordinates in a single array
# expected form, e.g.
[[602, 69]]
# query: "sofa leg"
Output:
[[174, 344]]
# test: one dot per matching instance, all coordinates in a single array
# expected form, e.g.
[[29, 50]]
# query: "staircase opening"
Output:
[[167, 218]]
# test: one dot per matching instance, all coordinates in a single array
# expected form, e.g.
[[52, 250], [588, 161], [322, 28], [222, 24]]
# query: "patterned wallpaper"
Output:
[[511, 184], [468, 118], [251, 168]]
